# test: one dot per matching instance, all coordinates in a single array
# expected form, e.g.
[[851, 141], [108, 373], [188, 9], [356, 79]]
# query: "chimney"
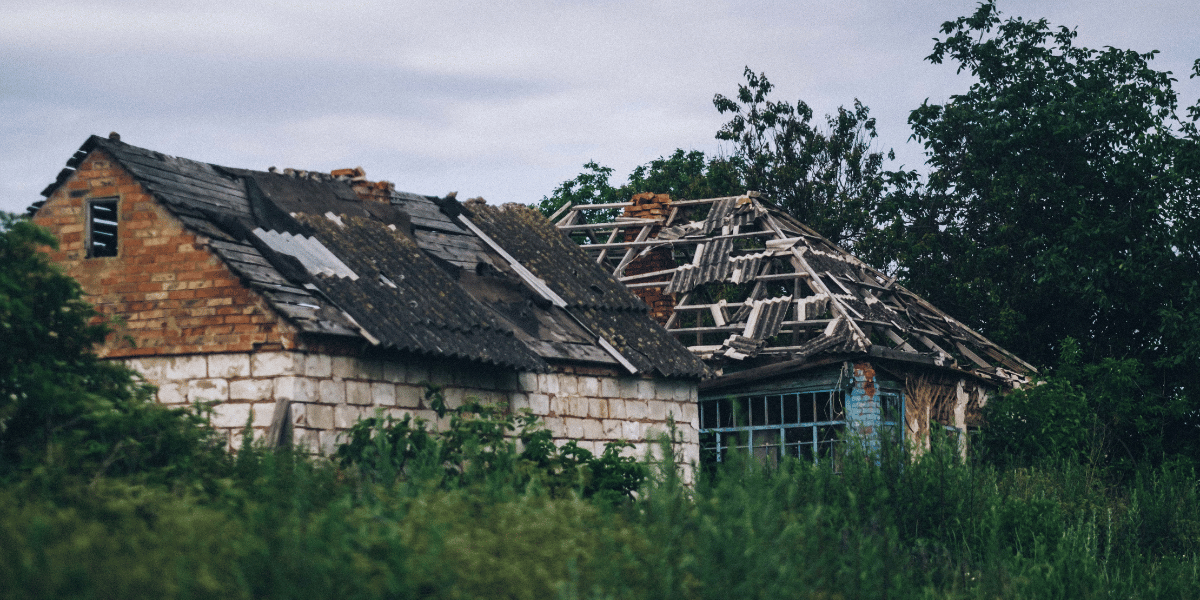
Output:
[[652, 206]]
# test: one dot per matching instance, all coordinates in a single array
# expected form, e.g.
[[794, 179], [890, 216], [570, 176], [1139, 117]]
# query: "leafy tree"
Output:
[[61, 407], [829, 179], [685, 174], [589, 187], [1061, 202], [688, 175]]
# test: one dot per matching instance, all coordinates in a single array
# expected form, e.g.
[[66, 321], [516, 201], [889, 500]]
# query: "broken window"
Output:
[[891, 416], [102, 228], [808, 426]]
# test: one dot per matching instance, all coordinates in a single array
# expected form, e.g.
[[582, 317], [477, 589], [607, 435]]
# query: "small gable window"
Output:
[[102, 228]]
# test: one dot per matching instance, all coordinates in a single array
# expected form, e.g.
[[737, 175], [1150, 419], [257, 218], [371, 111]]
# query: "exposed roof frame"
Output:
[[837, 303]]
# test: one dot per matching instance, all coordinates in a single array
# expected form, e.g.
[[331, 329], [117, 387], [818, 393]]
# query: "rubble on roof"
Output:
[[743, 280]]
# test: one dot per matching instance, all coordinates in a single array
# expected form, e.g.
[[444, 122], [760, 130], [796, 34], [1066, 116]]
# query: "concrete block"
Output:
[[251, 389], [262, 413], [548, 383], [154, 369], [597, 408], [185, 368], [172, 393], [616, 408], [574, 428], [568, 385], [657, 410], [393, 371], [234, 416], [554, 425], [454, 396], [612, 429], [539, 404], [228, 365], [296, 389], [358, 392], [631, 431], [409, 396], [307, 440], [609, 388], [343, 367], [689, 412], [207, 389], [272, 364], [318, 416], [592, 429], [383, 393], [528, 382], [518, 401], [318, 365], [370, 369], [330, 440], [645, 389], [346, 415], [627, 387], [636, 409], [588, 386], [331, 392]]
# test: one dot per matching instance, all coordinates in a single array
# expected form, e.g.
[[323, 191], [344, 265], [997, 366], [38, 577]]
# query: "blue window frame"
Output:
[[805, 425]]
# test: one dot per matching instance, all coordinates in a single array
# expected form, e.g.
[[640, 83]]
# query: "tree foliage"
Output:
[[830, 179], [827, 177], [61, 407], [684, 174], [1061, 202]]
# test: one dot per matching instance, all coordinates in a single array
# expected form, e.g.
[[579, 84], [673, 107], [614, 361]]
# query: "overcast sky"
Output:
[[503, 100]]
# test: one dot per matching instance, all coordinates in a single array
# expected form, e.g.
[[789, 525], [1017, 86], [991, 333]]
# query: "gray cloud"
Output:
[[503, 100]]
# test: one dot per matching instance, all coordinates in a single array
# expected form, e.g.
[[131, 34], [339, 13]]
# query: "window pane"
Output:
[[741, 411], [826, 433], [757, 415], [823, 409], [839, 406], [774, 410], [889, 407], [708, 414], [724, 413], [766, 445], [806, 407], [795, 435], [735, 439], [790, 409]]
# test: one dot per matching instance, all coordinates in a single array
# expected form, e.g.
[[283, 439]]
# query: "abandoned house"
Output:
[[302, 301], [808, 343]]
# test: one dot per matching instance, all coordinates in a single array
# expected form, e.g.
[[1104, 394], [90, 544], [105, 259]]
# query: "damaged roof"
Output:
[[338, 255], [751, 286]]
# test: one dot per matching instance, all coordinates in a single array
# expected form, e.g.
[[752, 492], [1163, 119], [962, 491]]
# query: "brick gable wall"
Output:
[[173, 295]]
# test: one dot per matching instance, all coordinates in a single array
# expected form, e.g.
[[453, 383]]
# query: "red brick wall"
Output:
[[652, 206], [173, 294]]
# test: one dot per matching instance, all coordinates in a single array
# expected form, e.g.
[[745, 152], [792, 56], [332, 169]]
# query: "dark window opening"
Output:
[[891, 415], [807, 426], [102, 228]]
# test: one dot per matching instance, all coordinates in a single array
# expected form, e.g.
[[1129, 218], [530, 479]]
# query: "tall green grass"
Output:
[[276, 524]]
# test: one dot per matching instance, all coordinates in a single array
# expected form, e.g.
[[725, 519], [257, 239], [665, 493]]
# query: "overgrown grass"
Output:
[[275, 524]]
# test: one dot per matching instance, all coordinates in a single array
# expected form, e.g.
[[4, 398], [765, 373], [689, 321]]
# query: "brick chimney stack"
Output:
[[652, 206]]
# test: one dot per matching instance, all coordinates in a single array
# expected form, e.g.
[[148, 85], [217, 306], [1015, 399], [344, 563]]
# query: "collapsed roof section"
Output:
[[744, 284], [337, 255]]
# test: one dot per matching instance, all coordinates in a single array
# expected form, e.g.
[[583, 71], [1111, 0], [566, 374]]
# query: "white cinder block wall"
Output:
[[330, 393]]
